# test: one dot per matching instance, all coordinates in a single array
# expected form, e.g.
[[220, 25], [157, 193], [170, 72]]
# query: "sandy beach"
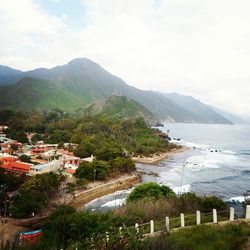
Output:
[[156, 158]]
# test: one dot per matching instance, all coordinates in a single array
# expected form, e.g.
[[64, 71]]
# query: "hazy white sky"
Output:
[[195, 47]]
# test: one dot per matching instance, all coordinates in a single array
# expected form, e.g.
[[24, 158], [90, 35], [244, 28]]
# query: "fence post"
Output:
[[198, 217], [215, 220], [120, 232], [182, 220], [248, 212], [152, 227], [137, 227], [167, 224], [231, 217], [107, 236]]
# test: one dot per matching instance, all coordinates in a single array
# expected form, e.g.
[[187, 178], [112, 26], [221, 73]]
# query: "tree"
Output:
[[85, 149], [25, 158], [93, 170], [108, 153], [150, 190], [13, 147], [123, 164]]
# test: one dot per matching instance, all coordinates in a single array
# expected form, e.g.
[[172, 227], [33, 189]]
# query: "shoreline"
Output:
[[124, 182], [157, 158]]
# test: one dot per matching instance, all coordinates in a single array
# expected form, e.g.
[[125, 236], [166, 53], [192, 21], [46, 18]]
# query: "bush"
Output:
[[150, 190], [108, 153], [93, 170], [123, 164], [212, 202], [34, 194]]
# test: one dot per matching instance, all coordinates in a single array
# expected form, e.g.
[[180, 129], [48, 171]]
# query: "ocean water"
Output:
[[217, 162]]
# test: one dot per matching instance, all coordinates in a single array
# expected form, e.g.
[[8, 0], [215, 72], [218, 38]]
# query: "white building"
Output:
[[46, 167]]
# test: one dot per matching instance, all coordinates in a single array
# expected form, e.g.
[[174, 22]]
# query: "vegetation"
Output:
[[34, 193], [102, 136], [229, 237], [67, 228], [150, 190], [99, 169], [118, 107], [150, 200], [10, 182]]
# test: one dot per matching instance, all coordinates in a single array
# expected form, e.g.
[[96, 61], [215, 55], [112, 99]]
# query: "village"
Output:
[[38, 158]]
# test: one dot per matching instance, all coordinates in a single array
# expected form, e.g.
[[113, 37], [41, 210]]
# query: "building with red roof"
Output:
[[13, 165]]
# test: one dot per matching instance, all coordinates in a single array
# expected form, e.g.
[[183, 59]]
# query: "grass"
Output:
[[229, 237]]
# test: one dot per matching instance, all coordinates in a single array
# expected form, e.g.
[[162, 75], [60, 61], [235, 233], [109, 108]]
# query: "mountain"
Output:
[[32, 93], [82, 81], [7, 74], [204, 112], [236, 119], [118, 107]]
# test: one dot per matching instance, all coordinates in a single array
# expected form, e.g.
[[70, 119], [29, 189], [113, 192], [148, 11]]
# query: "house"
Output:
[[46, 167], [39, 150], [11, 164]]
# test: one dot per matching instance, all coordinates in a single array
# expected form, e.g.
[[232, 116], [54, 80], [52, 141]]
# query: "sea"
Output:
[[217, 162]]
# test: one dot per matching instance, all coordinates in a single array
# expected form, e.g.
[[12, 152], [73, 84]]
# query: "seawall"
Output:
[[104, 189]]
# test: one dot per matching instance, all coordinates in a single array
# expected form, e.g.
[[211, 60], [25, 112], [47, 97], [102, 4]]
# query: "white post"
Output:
[[107, 236], [248, 212], [152, 227], [137, 227], [167, 224], [215, 220], [231, 217], [198, 217], [120, 232], [182, 220]]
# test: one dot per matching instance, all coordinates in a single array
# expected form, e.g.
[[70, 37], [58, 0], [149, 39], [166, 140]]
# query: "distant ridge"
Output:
[[118, 107], [82, 81]]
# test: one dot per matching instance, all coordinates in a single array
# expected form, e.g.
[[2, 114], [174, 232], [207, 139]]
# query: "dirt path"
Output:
[[9, 230]]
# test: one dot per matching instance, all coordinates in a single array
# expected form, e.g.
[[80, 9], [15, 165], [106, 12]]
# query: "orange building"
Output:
[[11, 164]]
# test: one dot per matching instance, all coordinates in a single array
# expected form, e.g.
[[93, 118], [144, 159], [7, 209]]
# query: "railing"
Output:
[[153, 228], [171, 224]]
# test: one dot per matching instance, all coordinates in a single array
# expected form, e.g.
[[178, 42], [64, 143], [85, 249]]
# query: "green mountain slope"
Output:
[[118, 107], [32, 93], [81, 82]]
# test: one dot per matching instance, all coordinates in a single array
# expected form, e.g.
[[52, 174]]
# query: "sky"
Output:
[[193, 47]]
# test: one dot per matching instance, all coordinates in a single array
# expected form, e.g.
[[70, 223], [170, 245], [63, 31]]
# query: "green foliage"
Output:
[[102, 136], [150, 190], [108, 153], [34, 194], [25, 158], [66, 227], [125, 165], [11, 181], [84, 149], [93, 170], [229, 237], [36, 137], [209, 202], [81, 182]]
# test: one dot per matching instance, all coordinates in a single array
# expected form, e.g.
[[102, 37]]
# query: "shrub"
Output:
[[150, 190], [213, 202], [91, 170]]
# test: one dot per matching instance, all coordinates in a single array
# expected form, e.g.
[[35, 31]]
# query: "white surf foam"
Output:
[[182, 189], [239, 199], [115, 203]]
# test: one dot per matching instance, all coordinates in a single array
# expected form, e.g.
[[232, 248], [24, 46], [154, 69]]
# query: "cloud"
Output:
[[195, 47]]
